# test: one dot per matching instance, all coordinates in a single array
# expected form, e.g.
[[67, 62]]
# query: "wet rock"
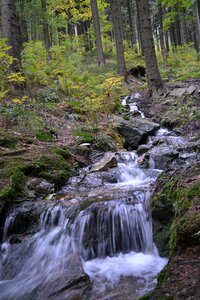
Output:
[[72, 284], [163, 156], [178, 92], [134, 131], [40, 187], [107, 161], [24, 219], [143, 149]]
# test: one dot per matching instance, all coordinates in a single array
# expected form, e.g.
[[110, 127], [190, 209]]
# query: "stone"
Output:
[[85, 145], [191, 89], [107, 161], [143, 149], [72, 284], [41, 187], [135, 131], [178, 92]]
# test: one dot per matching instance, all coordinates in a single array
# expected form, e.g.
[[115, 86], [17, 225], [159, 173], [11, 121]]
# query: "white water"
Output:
[[113, 238], [132, 106], [110, 270]]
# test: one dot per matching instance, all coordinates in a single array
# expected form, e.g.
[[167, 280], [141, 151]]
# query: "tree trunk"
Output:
[[45, 26], [116, 13], [155, 83], [131, 23], [196, 31], [95, 16], [10, 29], [161, 34]]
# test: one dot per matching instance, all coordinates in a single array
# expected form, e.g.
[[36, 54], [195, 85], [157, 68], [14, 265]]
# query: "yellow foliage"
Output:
[[16, 78], [3, 93], [19, 100]]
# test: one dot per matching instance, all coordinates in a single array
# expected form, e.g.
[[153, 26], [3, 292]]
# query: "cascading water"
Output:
[[110, 229]]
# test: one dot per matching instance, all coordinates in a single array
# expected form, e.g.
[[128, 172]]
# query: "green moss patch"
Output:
[[14, 186], [52, 167]]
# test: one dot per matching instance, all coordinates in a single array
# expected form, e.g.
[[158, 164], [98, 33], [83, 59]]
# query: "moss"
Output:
[[65, 153], [162, 276], [8, 143], [194, 191], [52, 167], [15, 188], [44, 136], [104, 142], [85, 137], [147, 296]]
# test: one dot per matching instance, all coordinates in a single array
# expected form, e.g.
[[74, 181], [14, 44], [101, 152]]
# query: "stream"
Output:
[[94, 242], [111, 233]]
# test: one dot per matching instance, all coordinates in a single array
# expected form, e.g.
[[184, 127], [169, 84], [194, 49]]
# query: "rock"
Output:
[[135, 131], [41, 187], [191, 89], [178, 92], [85, 145], [143, 149], [72, 284], [107, 161]]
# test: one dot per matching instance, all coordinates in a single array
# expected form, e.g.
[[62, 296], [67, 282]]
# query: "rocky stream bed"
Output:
[[98, 237]]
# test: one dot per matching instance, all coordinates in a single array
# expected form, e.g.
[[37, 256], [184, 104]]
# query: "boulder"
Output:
[[40, 187], [178, 92], [107, 161], [135, 131], [72, 284], [143, 149], [191, 89]]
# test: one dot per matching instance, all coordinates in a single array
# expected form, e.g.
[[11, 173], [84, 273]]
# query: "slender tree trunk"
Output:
[[198, 13], [161, 33], [45, 26], [131, 22], [139, 30], [10, 29], [95, 16], [116, 14], [154, 80], [167, 41], [196, 31], [178, 31]]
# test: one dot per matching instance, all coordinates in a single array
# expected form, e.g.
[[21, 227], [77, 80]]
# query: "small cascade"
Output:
[[130, 102], [112, 236], [108, 229]]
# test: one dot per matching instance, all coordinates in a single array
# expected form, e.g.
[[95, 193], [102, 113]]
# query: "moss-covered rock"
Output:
[[179, 191], [14, 185], [52, 167]]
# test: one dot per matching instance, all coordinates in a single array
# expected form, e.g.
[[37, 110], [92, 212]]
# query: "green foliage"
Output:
[[84, 136], [5, 62], [175, 8], [182, 63], [44, 136], [65, 153], [34, 63]]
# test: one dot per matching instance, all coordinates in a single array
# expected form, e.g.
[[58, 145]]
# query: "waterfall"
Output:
[[113, 238]]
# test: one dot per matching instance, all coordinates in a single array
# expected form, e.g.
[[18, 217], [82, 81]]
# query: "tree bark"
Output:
[[131, 22], [95, 16], [161, 34], [10, 29], [155, 83], [45, 26], [116, 13]]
